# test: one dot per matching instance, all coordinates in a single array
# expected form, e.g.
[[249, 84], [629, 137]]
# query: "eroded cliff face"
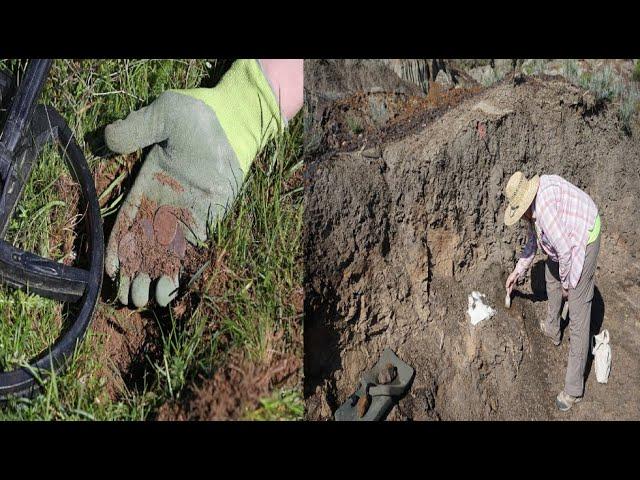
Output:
[[397, 236]]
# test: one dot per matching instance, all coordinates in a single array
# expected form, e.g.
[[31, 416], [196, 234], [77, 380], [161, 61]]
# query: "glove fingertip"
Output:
[[140, 290], [111, 268], [111, 263], [166, 290], [115, 138], [123, 289]]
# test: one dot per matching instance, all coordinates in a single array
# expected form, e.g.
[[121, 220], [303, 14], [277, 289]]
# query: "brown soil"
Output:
[[128, 338], [395, 242], [364, 120], [239, 383], [155, 242], [234, 390], [170, 182], [359, 104]]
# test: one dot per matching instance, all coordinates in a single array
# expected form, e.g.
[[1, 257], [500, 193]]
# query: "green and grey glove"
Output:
[[204, 141]]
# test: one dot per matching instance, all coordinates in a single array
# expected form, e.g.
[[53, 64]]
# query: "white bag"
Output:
[[478, 308], [602, 356]]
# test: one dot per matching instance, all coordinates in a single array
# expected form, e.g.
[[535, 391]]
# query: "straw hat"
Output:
[[519, 192]]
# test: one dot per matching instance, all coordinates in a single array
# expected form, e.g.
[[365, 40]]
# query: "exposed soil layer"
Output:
[[355, 104], [395, 242], [365, 120]]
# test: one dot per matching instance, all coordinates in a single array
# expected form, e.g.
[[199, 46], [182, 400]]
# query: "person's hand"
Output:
[[203, 143], [511, 281]]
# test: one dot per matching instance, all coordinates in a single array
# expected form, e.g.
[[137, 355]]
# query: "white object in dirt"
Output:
[[507, 300], [602, 356], [478, 308]]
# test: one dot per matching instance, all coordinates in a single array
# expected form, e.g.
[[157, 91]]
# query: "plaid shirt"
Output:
[[563, 216]]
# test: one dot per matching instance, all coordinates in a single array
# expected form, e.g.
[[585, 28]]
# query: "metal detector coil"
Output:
[[27, 128]]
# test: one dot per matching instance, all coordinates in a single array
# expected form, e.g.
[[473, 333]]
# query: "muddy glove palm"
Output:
[[203, 143]]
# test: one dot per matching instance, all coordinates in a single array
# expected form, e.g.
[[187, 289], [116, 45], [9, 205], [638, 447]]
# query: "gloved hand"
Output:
[[511, 281], [204, 141]]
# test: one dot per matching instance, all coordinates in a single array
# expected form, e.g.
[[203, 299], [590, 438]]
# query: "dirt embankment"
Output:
[[396, 240]]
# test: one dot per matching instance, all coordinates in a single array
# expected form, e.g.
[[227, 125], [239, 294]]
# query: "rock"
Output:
[[412, 70], [483, 74], [444, 79], [363, 404], [387, 374], [374, 152]]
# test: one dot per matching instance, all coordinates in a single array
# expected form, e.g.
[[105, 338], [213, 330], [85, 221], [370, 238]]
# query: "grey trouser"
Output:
[[580, 299]]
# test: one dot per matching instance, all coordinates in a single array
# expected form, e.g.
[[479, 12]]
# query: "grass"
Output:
[[535, 66], [246, 303], [27, 322], [493, 77], [282, 405], [629, 107], [603, 83], [355, 125], [606, 85]]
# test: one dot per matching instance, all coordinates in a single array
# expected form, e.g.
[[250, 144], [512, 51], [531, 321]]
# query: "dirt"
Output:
[[395, 242], [364, 114], [168, 181], [130, 341], [128, 338], [154, 243], [238, 384], [234, 390]]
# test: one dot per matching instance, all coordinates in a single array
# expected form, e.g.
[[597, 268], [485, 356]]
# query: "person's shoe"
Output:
[[546, 334], [564, 401]]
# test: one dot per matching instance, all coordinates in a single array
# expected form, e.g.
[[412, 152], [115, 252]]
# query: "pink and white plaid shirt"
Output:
[[563, 215]]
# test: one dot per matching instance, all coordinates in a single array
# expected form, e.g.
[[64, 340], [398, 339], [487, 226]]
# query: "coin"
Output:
[[147, 227], [179, 244], [165, 225]]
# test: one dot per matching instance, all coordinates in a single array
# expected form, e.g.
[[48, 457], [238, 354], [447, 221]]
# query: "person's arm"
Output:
[[286, 78], [528, 253], [526, 258]]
